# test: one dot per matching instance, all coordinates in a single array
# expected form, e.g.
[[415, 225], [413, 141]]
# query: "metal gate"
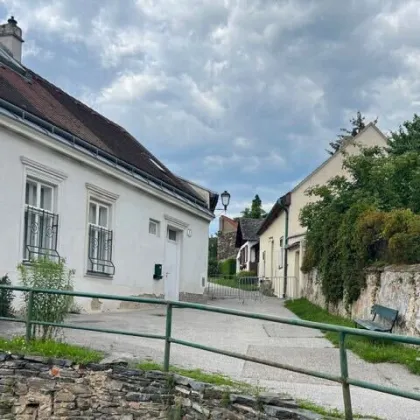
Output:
[[251, 288], [235, 287]]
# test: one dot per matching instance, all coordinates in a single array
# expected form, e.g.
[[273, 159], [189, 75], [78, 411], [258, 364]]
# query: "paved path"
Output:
[[287, 344]]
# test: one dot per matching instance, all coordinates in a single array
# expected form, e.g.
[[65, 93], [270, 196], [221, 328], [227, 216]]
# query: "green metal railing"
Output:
[[343, 379]]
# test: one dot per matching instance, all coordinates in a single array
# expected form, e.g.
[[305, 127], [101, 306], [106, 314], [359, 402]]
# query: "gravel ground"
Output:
[[277, 342]]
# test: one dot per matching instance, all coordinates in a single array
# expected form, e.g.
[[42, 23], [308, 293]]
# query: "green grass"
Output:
[[330, 413], [196, 374], [236, 284], [50, 348], [374, 351]]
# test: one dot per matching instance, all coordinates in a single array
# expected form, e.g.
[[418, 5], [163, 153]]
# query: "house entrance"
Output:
[[172, 264]]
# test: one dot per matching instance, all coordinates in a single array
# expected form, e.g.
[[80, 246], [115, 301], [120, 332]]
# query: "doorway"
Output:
[[172, 263]]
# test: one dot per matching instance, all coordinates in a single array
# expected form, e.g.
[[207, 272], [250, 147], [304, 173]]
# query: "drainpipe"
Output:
[[286, 242], [285, 203]]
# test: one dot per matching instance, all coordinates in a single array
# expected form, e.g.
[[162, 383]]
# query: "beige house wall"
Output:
[[272, 267], [332, 167], [270, 239]]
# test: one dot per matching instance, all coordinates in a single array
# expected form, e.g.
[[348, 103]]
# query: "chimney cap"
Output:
[[12, 21]]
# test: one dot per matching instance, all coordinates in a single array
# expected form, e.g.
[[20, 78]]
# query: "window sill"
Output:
[[98, 275]]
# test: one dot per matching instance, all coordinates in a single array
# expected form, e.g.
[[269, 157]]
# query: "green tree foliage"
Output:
[[45, 274], [256, 211], [373, 216], [357, 125], [228, 267], [213, 265], [6, 297], [213, 248], [407, 138]]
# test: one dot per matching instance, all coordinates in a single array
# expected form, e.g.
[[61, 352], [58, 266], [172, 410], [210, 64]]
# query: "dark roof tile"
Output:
[[249, 228], [41, 98]]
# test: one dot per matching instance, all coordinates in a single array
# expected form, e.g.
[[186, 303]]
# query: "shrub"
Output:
[[228, 267], [213, 268], [246, 274], [46, 274], [404, 248], [6, 298], [247, 278]]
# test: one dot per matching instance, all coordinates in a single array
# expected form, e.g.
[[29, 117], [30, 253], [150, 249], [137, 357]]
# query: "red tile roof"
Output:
[[41, 98]]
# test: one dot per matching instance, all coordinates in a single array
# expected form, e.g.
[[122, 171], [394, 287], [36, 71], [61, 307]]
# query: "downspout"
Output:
[[286, 241], [285, 203]]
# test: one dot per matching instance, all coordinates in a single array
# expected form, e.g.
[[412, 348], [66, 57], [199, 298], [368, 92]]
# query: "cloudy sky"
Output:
[[242, 95]]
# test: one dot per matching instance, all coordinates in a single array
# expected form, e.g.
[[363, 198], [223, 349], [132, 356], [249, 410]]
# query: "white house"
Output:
[[248, 242], [78, 186]]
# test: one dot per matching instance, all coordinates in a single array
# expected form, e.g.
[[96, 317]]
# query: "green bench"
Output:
[[388, 314]]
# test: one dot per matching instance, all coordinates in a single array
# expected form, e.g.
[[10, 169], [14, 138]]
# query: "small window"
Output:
[[281, 253], [154, 227], [172, 234]]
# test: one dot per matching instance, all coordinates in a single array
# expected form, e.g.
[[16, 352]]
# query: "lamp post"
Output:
[[225, 196]]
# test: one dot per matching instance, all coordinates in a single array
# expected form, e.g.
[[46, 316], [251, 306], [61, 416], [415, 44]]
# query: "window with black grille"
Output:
[[100, 239], [40, 221]]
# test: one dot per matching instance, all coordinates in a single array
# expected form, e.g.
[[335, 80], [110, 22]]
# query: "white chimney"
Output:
[[11, 38]]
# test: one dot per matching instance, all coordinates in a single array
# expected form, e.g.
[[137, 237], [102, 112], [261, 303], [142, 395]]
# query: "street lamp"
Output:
[[225, 196]]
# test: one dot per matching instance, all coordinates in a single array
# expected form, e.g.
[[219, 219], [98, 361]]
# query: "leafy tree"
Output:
[[213, 248], [407, 138], [357, 125], [6, 298], [46, 274], [372, 216], [256, 211]]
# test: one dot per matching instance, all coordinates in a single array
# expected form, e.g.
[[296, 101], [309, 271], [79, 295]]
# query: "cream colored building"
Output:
[[282, 236]]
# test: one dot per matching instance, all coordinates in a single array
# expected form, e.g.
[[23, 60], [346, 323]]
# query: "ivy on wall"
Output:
[[370, 218]]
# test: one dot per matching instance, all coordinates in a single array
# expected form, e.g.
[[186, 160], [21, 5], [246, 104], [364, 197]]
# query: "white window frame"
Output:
[[105, 199], [156, 223], [281, 252], [176, 234], [39, 173]]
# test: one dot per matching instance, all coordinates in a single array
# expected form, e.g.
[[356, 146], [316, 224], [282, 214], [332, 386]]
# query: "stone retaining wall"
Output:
[[396, 287], [38, 388]]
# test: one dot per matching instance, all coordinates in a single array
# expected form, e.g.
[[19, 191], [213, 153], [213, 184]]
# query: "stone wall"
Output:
[[37, 388], [226, 246], [396, 287]]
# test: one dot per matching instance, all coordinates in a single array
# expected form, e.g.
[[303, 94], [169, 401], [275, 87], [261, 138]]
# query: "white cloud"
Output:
[[32, 49], [130, 86], [232, 89], [51, 16], [243, 142]]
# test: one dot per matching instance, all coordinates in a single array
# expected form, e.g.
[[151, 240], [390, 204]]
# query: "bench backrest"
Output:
[[384, 312]]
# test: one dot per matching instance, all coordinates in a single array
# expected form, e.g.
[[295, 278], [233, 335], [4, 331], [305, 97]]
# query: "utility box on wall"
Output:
[[158, 272]]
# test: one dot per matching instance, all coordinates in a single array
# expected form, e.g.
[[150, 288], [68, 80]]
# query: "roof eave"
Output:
[[282, 203], [46, 127]]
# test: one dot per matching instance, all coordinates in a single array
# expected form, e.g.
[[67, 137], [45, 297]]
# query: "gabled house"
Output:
[[78, 186], [226, 240], [247, 241], [282, 238]]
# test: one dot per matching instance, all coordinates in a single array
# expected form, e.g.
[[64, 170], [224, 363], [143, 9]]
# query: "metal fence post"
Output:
[[168, 338], [344, 376], [28, 335]]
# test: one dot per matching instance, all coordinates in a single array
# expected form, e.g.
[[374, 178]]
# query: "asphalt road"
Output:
[[277, 342]]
